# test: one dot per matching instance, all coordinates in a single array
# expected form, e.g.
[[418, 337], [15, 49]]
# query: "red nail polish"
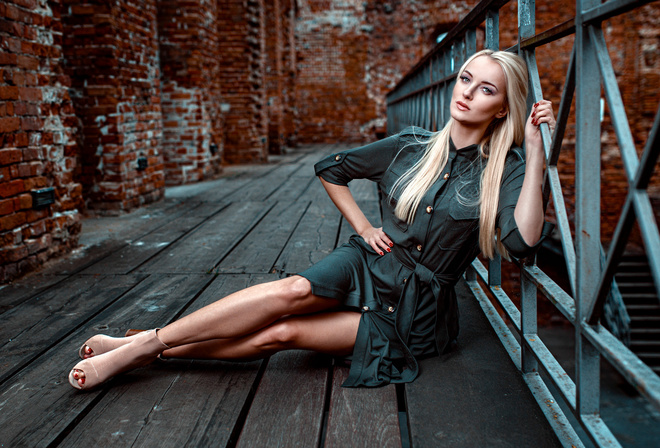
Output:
[[391, 244], [389, 250], [381, 253], [536, 105]]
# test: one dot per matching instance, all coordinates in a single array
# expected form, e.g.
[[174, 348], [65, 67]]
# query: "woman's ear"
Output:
[[502, 113]]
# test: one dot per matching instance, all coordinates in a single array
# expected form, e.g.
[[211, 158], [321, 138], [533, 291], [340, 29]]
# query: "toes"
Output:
[[77, 378], [88, 352]]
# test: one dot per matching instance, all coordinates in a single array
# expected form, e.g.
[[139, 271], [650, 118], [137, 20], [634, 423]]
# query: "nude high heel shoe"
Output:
[[101, 343], [140, 351]]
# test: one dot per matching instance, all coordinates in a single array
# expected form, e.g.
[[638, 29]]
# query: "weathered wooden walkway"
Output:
[[255, 223]]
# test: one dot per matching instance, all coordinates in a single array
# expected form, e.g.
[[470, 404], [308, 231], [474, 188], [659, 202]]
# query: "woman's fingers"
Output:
[[542, 113], [378, 240]]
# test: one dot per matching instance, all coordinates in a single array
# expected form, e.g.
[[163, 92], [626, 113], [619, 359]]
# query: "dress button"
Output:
[[446, 176], [429, 209], [390, 309], [365, 308], [338, 158], [419, 248], [405, 280]]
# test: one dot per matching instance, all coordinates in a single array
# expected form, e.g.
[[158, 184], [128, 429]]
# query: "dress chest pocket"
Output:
[[461, 221]]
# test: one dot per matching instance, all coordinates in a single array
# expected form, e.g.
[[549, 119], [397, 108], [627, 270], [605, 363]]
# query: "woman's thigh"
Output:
[[328, 332]]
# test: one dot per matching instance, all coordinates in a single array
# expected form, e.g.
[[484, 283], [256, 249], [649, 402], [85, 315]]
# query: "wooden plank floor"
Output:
[[204, 241]]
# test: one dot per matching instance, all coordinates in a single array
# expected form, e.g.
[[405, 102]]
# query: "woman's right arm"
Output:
[[343, 199]]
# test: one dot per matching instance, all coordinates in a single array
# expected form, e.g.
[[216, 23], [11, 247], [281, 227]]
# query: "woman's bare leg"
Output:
[[331, 333], [246, 311]]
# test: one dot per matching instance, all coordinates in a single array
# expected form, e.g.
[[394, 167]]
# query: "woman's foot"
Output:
[[140, 351], [99, 344]]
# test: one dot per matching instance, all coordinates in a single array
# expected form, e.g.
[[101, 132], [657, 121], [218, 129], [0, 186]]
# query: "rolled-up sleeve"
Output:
[[366, 162], [506, 222]]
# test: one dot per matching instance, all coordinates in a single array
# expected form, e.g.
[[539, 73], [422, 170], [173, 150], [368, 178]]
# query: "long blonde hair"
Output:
[[500, 135]]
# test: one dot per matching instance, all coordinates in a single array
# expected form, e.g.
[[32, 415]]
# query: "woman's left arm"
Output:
[[529, 208]]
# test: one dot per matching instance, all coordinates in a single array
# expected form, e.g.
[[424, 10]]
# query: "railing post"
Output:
[[528, 308], [493, 29], [587, 220]]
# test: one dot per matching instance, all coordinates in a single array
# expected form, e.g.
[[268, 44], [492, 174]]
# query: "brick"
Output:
[[8, 59], [31, 123], [27, 62], [6, 206], [11, 188], [9, 124], [8, 92], [23, 202], [13, 254], [10, 222], [30, 94]]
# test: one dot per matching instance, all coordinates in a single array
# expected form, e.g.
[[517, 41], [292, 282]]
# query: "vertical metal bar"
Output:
[[495, 271], [528, 321], [527, 28], [587, 225], [493, 30], [470, 42], [526, 19]]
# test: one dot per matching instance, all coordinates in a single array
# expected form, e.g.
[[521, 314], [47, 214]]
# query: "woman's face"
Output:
[[479, 95]]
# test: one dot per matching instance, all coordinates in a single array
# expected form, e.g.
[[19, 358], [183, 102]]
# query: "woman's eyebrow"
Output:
[[485, 82]]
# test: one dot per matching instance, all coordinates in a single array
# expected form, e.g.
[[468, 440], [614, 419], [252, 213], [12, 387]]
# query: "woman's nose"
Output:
[[467, 93]]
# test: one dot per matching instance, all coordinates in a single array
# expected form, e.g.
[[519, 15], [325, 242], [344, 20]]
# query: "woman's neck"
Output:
[[464, 136]]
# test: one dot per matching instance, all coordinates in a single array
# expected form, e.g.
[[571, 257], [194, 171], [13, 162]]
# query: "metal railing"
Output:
[[422, 99]]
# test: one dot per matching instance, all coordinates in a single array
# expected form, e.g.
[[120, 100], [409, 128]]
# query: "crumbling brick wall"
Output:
[[111, 51], [37, 138], [350, 53], [279, 73], [242, 51], [190, 96]]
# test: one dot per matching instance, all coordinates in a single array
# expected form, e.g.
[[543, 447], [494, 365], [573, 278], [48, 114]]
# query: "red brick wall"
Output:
[[37, 138], [242, 51], [279, 72], [289, 73], [191, 101], [112, 57], [350, 53]]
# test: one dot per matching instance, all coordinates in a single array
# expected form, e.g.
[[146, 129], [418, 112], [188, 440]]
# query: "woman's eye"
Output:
[[487, 91], [465, 79]]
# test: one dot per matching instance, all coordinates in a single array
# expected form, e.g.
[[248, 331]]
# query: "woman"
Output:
[[386, 297]]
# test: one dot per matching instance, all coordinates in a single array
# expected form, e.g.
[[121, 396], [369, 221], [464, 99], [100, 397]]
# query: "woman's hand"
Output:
[[541, 113], [377, 239]]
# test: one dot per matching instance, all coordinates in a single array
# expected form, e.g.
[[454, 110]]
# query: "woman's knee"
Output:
[[295, 289], [299, 287]]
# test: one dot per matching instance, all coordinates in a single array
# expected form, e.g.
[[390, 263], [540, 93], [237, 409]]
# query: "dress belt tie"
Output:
[[420, 277]]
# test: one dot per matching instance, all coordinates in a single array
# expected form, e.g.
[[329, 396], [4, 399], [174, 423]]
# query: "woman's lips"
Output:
[[461, 105]]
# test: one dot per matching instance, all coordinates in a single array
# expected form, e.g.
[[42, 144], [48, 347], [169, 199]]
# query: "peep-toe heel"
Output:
[[140, 351]]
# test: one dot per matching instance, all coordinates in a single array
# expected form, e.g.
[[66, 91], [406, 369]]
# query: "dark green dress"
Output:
[[407, 297]]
